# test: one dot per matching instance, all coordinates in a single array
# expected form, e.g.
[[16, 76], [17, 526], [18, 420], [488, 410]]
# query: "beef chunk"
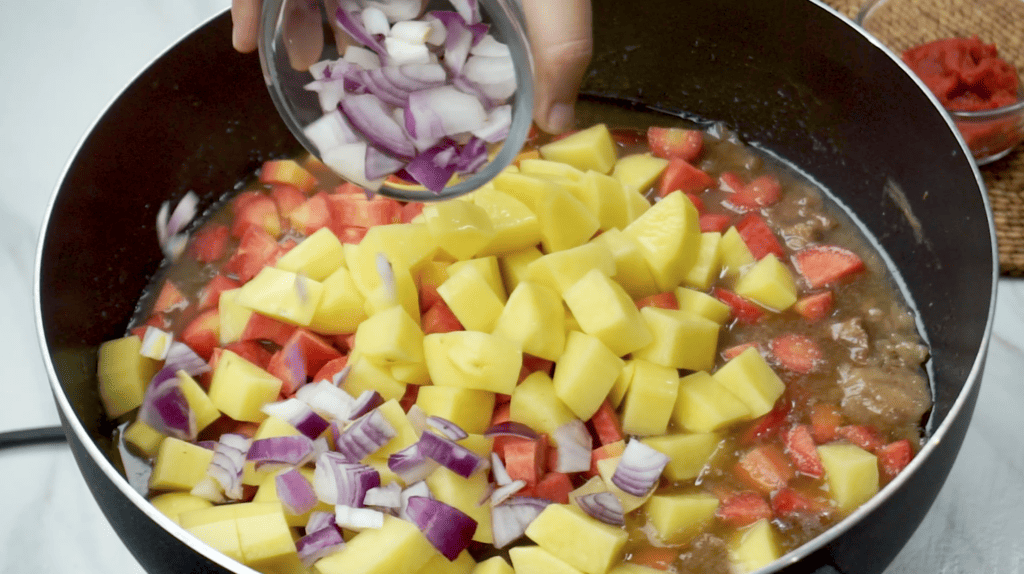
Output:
[[883, 397]]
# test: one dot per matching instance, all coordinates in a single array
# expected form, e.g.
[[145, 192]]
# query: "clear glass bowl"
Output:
[[289, 31], [902, 24]]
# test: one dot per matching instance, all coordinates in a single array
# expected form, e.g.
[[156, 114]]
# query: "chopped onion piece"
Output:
[[338, 378], [397, 10], [375, 22], [165, 408], [438, 31], [412, 31], [349, 161], [330, 131], [389, 496], [496, 76], [379, 164], [228, 463], [327, 400], [366, 402], [319, 70], [337, 481], [417, 418], [369, 116], [209, 489], [317, 544], [511, 428], [387, 276], [510, 520], [404, 52], [287, 451], [346, 18], [319, 519], [417, 489], [366, 59], [365, 436], [449, 454], [468, 9], [501, 476], [443, 111], [357, 518], [156, 343], [495, 129], [295, 492], [503, 493], [488, 46], [183, 214], [449, 529], [447, 428], [575, 447], [603, 506], [639, 468], [410, 464], [181, 357]]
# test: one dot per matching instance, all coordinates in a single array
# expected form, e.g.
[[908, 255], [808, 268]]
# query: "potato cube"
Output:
[[389, 338], [735, 254], [342, 306], [471, 299], [493, 565], [528, 189], [478, 443], [536, 560], [172, 504], [688, 453], [561, 269], [702, 304], [680, 339], [233, 316], [535, 404], [851, 473], [239, 388], [405, 433], [564, 221], [544, 167], [603, 196], [669, 237], [516, 227], [221, 536], [585, 373], [439, 564], [754, 547], [650, 399], [769, 283], [705, 405], [679, 517], [473, 360], [144, 438], [365, 375], [584, 543], [405, 295], [489, 269], [631, 268], [461, 228], [123, 374], [638, 172], [534, 318], [604, 310], [405, 245], [708, 264], [465, 495], [606, 468], [274, 427], [264, 538], [751, 379], [636, 203], [469, 408], [514, 265], [622, 383], [316, 256], [206, 412], [397, 546], [281, 295], [179, 465], [592, 148]]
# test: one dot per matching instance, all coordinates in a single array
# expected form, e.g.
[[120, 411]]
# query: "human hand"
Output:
[[560, 35]]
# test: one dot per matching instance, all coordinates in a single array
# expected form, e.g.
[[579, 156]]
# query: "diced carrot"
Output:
[[657, 557], [440, 319], [554, 486], [205, 378], [210, 243], [681, 175], [169, 299], [768, 426], [251, 351], [563, 135], [610, 450], [743, 509], [526, 459], [502, 413], [532, 364], [894, 457], [203, 333], [410, 211], [312, 215], [765, 468], [864, 437], [823, 265], [351, 209], [263, 328], [666, 300], [814, 307], [331, 368], [290, 368], [348, 233], [696, 201], [257, 250], [714, 222], [628, 136], [801, 450], [409, 398], [681, 143], [349, 188], [797, 353], [605, 424], [287, 197], [825, 421], [287, 171], [760, 238], [762, 191], [730, 182], [313, 350], [209, 295], [734, 351], [788, 502], [744, 310], [260, 212]]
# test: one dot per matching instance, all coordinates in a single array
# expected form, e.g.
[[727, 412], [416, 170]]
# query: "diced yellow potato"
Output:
[[179, 465], [514, 265], [631, 268], [278, 294], [636, 204], [638, 172], [594, 485], [397, 546], [144, 438], [123, 374], [564, 221], [851, 473], [405, 434], [473, 360], [172, 504], [516, 227], [583, 542], [342, 306], [545, 167], [754, 547], [534, 318], [535, 404], [536, 560], [316, 256], [411, 373], [221, 512], [471, 299], [680, 339], [708, 265], [604, 310], [465, 495], [622, 383], [592, 148], [561, 269], [405, 245], [528, 189], [735, 253], [751, 379], [461, 228], [688, 453], [239, 388], [702, 304], [769, 283], [585, 373], [406, 295], [606, 468], [705, 405], [489, 269], [198, 401], [274, 427], [221, 536], [365, 375], [604, 197], [493, 565], [650, 399], [679, 517], [156, 343], [469, 408], [669, 238], [439, 564], [233, 316], [264, 538], [571, 324], [390, 337], [478, 443]]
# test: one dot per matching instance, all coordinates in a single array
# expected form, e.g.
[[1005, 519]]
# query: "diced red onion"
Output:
[[338, 378], [429, 168], [365, 59], [169, 228], [449, 429], [458, 39], [449, 529], [397, 9], [375, 22], [495, 129], [404, 52], [207, 444], [418, 489], [357, 518], [365, 436], [155, 343], [327, 400], [438, 31], [417, 419], [379, 164], [510, 520], [320, 446], [511, 428], [367, 114], [367, 401], [574, 447], [603, 506], [319, 519], [468, 9], [413, 31], [410, 464], [488, 46], [181, 357], [320, 70], [443, 111], [502, 493], [346, 16], [317, 544], [209, 489], [294, 362], [330, 131], [379, 85], [298, 414], [389, 496], [165, 408], [349, 161], [501, 476], [449, 454], [228, 463], [496, 76], [639, 468], [472, 156], [183, 214], [295, 492], [337, 481], [280, 451]]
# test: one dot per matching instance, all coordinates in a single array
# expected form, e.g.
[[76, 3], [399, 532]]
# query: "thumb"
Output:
[[562, 44]]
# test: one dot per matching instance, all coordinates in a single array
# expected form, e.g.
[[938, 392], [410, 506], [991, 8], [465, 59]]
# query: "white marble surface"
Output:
[[63, 61]]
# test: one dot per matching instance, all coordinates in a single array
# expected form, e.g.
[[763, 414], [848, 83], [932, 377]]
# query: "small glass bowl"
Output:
[[902, 24], [282, 20]]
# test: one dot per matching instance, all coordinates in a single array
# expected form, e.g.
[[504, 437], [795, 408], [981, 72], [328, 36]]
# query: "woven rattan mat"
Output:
[[991, 21]]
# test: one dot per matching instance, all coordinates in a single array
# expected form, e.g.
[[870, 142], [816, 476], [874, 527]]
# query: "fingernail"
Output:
[[560, 117]]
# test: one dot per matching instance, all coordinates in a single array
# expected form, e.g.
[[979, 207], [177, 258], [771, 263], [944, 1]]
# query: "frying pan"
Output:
[[789, 76]]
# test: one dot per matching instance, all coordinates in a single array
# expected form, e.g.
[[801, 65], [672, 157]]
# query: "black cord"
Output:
[[30, 437]]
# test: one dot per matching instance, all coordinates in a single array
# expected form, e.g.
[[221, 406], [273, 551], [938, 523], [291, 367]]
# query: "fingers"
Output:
[[562, 43], [302, 31], [245, 16]]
